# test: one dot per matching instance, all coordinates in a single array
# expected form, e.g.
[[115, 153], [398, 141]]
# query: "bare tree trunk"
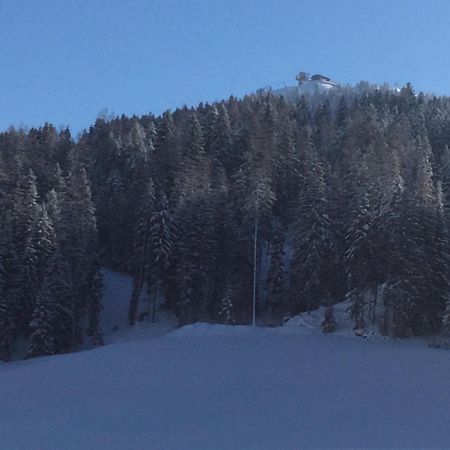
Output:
[[375, 301], [134, 302], [155, 299], [388, 320], [373, 304]]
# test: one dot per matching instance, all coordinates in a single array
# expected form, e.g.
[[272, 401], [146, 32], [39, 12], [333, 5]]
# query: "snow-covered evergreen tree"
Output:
[[142, 254], [225, 313], [219, 136], [79, 240], [94, 290], [193, 175], [161, 238], [43, 324], [166, 155], [53, 327], [446, 319], [7, 332], [312, 240], [276, 288], [358, 255]]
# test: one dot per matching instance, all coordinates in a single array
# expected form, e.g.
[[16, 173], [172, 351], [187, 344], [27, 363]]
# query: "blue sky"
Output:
[[65, 61]]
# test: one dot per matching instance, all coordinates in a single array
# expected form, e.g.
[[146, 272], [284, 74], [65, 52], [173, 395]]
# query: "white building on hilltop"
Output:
[[317, 84]]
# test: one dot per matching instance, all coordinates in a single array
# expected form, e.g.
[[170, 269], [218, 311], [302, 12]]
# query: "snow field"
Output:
[[217, 387]]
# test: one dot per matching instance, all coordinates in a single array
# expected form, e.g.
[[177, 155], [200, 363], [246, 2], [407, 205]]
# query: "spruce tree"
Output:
[[43, 324], [79, 240], [166, 155], [193, 174], [95, 292], [225, 313], [53, 327], [162, 235], [196, 255], [446, 319], [358, 255], [7, 331], [276, 288], [141, 254], [219, 136], [312, 241]]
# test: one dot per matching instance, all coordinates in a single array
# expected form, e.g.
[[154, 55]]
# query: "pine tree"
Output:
[[407, 265], [446, 319], [288, 172], [43, 325], [94, 291], [53, 328], [342, 113], [196, 256], [53, 209], [166, 155], [225, 313], [141, 254], [162, 235], [25, 209], [236, 244], [42, 144], [303, 112], [78, 240], [276, 289], [358, 255], [325, 133], [44, 239], [7, 332], [39, 247], [193, 176], [26, 285], [219, 137], [444, 169], [312, 241]]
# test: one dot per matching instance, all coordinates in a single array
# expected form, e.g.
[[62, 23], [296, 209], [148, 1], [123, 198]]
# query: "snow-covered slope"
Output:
[[224, 387], [344, 324], [114, 318]]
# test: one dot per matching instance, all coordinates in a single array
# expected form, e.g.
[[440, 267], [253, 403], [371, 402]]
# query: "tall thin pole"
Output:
[[255, 247]]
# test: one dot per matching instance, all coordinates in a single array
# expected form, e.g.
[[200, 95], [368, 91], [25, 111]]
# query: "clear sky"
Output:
[[65, 61]]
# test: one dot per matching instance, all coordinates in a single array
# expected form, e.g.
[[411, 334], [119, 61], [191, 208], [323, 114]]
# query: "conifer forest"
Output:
[[303, 202]]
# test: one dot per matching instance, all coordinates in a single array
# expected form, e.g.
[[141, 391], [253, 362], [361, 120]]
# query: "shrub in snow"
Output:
[[226, 308], [329, 323]]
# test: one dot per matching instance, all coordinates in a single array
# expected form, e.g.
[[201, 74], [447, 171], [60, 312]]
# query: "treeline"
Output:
[[50, 282], [348, 198]]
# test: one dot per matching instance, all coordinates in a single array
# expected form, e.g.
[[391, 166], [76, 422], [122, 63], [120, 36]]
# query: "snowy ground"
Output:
[[116, 301], [344, 325], [223, 387]]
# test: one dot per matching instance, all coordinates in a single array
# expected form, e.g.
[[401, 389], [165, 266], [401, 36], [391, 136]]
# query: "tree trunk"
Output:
[[134, 303]]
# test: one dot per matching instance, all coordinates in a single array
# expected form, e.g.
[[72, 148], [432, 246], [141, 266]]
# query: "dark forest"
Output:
[[344, 196]]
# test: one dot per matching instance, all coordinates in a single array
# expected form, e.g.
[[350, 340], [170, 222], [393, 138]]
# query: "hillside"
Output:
[[331, 197]]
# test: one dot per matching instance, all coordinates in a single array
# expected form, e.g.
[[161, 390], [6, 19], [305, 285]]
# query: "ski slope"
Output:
[[223, 387], [227, 387]]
